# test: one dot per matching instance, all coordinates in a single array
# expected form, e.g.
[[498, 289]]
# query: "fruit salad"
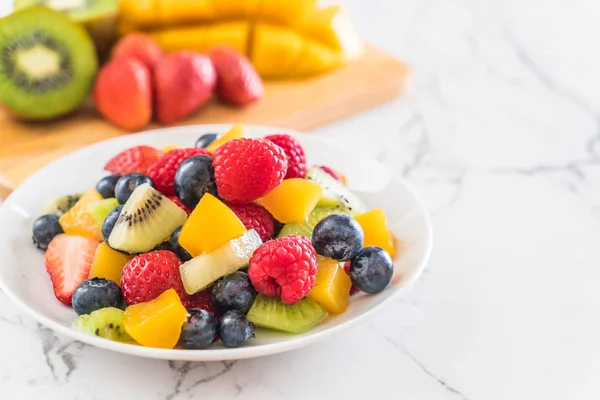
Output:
[[188, 247]]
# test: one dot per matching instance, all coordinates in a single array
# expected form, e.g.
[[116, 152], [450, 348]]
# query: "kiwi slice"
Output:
[[147, 219], [100, 209], [61, 204], [47, 63], [98, 16], [271, 313], [306, 228], [335, 192], [106, 323]]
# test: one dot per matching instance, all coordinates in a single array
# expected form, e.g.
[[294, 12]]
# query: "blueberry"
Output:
[[372, 269], [45, 228], [96, 293], [199, 331], [110, 221], [233, 292], [205, 140], [338, 236], [127, 184], [194, 177], [176, 248], [235, 329], [106, 186]]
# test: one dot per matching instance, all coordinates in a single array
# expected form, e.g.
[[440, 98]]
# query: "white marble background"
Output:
[[500, 132]]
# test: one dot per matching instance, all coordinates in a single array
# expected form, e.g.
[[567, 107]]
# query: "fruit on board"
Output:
[[156, 323], [106, 323], [96, 293], [99, 17], [140, 46], [100, 209], [79, 221], [211, 225], [45, 228], [305, 228], [335, 192], [332, 286], [270, 312], [68, 260], [377, 232], [48, 63], [146, 220], [372, 269], [338, 236], [60, 204], [293, 200], [235, 329], [203, 270], [108, 263], [184, 82], [123, 93], [238, 83], [147, 275], [237, 131]]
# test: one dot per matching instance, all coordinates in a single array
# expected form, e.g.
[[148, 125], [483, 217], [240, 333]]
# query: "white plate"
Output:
[[24, 280]]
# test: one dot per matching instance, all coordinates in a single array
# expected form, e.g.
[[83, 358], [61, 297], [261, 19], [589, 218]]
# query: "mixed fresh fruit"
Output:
[[190, 246]]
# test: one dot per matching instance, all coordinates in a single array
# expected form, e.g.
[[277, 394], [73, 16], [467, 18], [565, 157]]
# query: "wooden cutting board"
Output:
[[299, 105]]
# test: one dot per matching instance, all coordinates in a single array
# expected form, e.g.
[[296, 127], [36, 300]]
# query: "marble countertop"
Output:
[[500, 132]]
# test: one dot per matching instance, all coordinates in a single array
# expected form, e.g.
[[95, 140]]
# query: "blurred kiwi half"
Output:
[[99, 17], [48, 63]]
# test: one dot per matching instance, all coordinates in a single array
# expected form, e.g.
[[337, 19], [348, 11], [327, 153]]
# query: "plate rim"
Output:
[[223, 354]]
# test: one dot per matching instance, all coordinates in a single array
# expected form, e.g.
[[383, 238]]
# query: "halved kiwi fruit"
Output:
[[61, 204], [99, 17], [47, 63], [271, 313], [105, 323], [147, 219], [335, 193]]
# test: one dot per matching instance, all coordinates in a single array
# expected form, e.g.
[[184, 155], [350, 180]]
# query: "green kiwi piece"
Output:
[[101, 208], [306, 228], [335, 192], [147, 218], [98, 16], [271, 313], [47, 63], [61, 204], [106, 323]]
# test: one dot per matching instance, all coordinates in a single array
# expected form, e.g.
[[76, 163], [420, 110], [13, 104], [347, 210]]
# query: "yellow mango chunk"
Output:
[[276, 50], [236, 8], [166, 149], [275, 11], [78, 221], [376, 230], [209, 226], [236, 132], [108, 263], [316, 59], [156, 323], [202, 37], [154, 13], [293, 200], [332, 286]]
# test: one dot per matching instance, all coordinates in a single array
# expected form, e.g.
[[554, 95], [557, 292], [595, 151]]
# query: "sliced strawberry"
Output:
[[68, 261], [135, 159], [238, 82]]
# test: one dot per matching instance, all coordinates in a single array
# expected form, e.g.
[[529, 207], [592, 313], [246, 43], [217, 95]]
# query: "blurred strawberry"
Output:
[[237, 81], [139, 46]]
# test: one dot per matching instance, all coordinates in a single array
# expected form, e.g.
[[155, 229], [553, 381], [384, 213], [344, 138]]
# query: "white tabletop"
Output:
[[500, 132]]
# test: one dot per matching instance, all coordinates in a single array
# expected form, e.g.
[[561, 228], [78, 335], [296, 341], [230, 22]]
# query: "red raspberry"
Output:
[[176, 200], [284, 267], [148, 275], [255, 217], [331, 172], [202, 301], [294, 152], [163, 171], [246, 169], [353, 289], [135, 159]]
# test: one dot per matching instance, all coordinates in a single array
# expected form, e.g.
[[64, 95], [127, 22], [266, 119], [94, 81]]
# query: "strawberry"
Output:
[[68, 261], [237, 81], [135, 159], [123, 93], [163, 171], [184, 82], [148, 275], [139, 46]]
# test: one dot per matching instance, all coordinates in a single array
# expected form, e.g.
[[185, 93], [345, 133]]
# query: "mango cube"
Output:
[[108, 263], [79, 221], [209, 226], [332, 286], [376, 230], [293, 200], [236, 132]]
